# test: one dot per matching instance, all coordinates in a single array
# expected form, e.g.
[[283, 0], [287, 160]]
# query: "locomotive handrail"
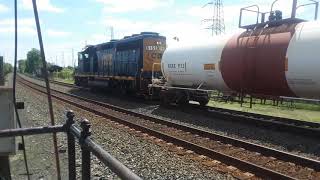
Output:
[[153, 65]]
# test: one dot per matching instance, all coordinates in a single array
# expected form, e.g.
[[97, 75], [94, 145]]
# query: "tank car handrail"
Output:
[[271, 9], [246, 9], [313, 2], [295, 7]]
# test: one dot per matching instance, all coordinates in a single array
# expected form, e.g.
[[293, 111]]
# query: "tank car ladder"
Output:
[[254, 45]]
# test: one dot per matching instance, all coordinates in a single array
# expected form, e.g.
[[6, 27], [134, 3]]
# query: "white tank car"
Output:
[[303, 55], [278, 61], [194, 66]]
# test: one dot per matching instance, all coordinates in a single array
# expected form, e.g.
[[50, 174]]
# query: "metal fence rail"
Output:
[[1, 71], [87, 145]]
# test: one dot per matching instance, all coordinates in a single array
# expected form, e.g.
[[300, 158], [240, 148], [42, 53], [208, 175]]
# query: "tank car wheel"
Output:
[[203, 103]]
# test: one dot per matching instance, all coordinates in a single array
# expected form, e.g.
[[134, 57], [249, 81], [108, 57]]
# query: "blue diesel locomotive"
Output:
[[125, 65]]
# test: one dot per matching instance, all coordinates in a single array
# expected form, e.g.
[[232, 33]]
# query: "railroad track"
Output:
[[262, 161], [55, 82], [64, 84], [297, 127]]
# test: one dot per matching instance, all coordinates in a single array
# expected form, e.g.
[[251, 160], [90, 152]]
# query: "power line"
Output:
[[45, 71], [111, 32], [217, 27]]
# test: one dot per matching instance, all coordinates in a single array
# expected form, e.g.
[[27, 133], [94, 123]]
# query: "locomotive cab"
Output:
[[86, 65]]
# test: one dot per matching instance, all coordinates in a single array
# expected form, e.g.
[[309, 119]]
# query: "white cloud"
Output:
[[185, 30], [22, 31], [21, 21], [117, 6], [3, 8], [186, 24], [55, 33], [43, 5], [25, 26], [125, 24], [98, 38], [61, 53]]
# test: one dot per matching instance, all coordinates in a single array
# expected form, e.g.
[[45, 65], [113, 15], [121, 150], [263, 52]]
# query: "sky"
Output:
[[68, 25]]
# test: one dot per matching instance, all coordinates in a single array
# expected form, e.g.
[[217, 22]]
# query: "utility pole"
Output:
[[63, 59], [218, 26], [111, 32], [112, 35], [72, 58]]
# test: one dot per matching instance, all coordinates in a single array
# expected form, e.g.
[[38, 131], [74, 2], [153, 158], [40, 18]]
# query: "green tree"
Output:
[[65, 73], [7, 68], [22, 65], [33, 63]]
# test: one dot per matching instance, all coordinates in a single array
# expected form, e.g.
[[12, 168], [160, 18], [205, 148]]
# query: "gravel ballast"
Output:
[[145, 158]]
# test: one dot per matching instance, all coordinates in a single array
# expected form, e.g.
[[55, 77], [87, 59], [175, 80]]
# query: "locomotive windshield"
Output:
[[83, 56]]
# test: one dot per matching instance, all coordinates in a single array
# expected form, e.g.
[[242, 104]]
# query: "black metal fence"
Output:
[[1, 71], [88, 147]]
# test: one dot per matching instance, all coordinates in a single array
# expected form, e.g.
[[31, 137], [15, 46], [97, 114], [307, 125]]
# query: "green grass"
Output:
[[299, 111], [69, 81]]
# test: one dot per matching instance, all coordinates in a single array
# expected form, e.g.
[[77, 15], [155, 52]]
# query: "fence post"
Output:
[[71, 146], [86, 171]]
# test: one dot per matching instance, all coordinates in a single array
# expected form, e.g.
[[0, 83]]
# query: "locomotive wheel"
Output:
[[164, 101], [182, 98], [123, 91], [182, 101]]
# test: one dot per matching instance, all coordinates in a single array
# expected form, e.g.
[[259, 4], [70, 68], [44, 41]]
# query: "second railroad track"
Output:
[[262, 161]]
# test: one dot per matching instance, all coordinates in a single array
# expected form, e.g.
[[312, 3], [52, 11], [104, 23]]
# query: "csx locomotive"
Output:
[[126, 65]]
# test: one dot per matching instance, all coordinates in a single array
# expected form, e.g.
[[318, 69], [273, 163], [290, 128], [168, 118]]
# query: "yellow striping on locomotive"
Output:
[[153, 49]]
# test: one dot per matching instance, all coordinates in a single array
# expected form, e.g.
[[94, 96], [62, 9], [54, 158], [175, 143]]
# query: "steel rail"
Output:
[[237, 142], [260, 171], [55, 82], [299, 127]]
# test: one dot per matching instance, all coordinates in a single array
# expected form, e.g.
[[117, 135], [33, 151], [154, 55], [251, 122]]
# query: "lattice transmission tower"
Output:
[[217, 27]]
